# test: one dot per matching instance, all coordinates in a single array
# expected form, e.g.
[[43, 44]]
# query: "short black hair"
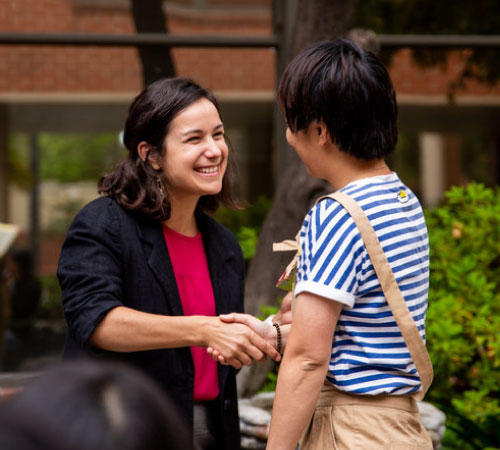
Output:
[[347, 88]]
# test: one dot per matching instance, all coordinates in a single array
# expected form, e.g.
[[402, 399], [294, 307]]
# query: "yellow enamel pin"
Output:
[[402, 197]]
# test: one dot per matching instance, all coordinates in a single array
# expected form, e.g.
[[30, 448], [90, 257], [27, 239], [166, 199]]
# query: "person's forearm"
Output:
[[127, 330], [299, 383], [303, 370]]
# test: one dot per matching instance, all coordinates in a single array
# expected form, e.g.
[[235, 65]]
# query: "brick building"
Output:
[[64, 89]]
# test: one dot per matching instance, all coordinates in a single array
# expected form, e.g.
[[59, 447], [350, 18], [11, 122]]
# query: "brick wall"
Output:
[[412, 79], [75, 69]]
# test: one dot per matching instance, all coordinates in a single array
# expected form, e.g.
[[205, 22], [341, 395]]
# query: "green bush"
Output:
[[64, 157], [463, 319], [245, 223], [251, 215]]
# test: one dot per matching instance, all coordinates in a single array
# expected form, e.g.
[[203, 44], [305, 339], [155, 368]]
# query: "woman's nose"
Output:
[[213, 150]]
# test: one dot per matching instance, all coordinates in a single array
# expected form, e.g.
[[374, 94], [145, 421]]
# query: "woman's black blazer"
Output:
[[113, 257]]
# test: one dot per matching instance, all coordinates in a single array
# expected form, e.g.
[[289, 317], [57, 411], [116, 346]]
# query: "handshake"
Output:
[[240, 339]]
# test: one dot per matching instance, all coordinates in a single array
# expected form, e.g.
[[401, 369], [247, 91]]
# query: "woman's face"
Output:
[[196, 153]]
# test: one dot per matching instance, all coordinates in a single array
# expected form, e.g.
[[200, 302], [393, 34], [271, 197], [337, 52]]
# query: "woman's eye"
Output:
[[219, 134], [193, 139]]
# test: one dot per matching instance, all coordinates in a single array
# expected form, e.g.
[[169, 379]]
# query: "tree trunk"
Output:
[[156, 61], [316, 20], [320, 20]]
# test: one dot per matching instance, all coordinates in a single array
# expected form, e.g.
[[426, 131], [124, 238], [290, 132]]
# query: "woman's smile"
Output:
[[208, 170]]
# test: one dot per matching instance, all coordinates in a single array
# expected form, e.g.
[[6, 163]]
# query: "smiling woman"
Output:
[[144, 271], [173, 113], [195, 160]]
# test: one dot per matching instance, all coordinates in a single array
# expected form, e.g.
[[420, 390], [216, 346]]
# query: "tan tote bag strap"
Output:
[[391, 290]]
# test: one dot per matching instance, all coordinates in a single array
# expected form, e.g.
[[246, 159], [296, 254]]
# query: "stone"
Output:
[[253, 415], [263, 400], [252, 443], [255, 431], [254, 422], [434, 421]]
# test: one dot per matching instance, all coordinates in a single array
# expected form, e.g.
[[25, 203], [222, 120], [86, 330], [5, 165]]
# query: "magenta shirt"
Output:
[[197, 297]]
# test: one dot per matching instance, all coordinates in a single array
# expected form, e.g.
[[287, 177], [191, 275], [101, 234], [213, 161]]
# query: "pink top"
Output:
[[197, 296]]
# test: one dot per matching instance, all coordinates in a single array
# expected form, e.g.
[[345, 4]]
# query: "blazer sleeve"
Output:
[[90, 268]]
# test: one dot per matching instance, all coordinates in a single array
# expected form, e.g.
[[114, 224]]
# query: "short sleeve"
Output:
[[331, 254]]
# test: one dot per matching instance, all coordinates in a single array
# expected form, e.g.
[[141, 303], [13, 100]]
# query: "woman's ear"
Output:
[[144, 152]]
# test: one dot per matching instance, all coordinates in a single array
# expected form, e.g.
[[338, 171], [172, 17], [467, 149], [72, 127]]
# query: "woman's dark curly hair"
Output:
[[134, 184]]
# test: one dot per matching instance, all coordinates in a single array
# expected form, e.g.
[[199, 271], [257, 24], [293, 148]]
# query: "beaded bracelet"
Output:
[[278, 337]]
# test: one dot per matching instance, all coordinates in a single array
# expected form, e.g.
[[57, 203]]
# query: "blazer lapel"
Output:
[[156, 252], [219, 256]]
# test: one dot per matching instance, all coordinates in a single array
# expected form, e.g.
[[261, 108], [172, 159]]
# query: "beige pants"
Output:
[[349, 422]]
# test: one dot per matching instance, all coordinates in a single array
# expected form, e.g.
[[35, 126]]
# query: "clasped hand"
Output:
[[249, 339]]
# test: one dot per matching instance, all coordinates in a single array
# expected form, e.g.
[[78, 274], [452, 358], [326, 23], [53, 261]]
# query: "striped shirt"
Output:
[[369, 355]]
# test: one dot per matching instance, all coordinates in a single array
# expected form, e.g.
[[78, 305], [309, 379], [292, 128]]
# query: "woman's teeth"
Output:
[[213, 169]]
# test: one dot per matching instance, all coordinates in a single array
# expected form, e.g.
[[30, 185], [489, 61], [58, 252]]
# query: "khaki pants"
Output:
[[349, 422]]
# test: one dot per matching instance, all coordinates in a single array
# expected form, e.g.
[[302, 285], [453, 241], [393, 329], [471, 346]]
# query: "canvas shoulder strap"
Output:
[[391, 290]]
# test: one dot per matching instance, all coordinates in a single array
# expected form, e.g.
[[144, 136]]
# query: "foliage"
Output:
[[248, 238], [468, 434], [464, 310], [271, 376], [481, 17], [245, 223], [269, 310], [271, 380], [65, 157], [250, 216], [70, 158]]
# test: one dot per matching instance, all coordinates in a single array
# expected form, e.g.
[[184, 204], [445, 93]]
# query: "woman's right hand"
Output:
[[238, 344]]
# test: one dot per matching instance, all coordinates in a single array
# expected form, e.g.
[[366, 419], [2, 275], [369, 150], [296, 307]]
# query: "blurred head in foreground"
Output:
[[89, 405]]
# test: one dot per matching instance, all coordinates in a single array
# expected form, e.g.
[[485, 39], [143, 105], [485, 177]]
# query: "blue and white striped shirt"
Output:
[[369, 355]]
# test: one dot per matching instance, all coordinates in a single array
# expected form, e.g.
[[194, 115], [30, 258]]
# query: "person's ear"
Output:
[[323, 134], [144, 152]]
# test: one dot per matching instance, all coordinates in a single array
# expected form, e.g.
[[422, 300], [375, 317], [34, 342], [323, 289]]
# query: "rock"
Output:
[[434, 421], [253, 415], [254, 422], [263, 400], [252, 443], [255, 431]]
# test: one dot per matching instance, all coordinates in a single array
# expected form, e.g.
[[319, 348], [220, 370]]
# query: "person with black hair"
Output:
[[355, 360], [89, 405], [144, 270]]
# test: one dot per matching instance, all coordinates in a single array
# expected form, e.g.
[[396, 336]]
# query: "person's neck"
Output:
[[347, 169], [182, 218]]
